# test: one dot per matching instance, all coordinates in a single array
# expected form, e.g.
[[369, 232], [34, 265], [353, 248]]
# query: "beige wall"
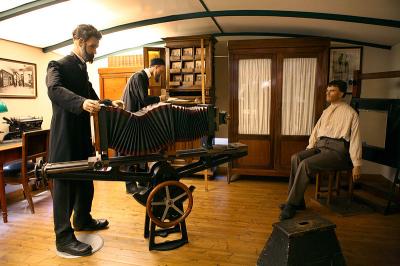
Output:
[[40, 106]]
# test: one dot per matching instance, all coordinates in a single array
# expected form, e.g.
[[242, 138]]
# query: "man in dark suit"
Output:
[[136, 97], [73, 100]]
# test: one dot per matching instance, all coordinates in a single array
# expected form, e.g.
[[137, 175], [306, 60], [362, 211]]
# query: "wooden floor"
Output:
[[229, 225]]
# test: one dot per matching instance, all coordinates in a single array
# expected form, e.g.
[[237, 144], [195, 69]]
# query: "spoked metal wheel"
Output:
[[169, 203]]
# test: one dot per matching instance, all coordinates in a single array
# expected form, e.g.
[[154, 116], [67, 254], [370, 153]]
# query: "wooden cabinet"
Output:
[[277, 93], [113, 80], [187, 66]]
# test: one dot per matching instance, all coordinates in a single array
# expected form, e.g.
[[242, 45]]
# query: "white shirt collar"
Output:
[[147, 70], [80, 58]]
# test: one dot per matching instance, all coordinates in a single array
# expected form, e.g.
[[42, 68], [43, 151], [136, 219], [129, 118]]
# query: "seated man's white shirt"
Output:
[[339, 121]]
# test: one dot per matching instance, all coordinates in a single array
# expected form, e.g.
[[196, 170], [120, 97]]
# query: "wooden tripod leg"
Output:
[[205, 173]]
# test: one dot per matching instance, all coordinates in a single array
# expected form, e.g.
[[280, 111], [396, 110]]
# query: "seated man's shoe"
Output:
[[75, 248], [93, 225], [300, 207], [288, 212]]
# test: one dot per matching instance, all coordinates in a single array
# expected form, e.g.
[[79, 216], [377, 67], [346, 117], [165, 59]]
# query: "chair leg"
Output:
[[317, 186], [338, 177], [330, 188], [28, 195]]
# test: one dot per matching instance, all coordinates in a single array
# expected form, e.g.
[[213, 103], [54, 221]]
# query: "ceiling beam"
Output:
[[381, 46], [213, 19], [272, 13], [28, 7], [128, 49]]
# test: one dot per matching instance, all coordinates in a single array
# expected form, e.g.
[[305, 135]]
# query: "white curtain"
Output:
[[254, 96], [298, 94]]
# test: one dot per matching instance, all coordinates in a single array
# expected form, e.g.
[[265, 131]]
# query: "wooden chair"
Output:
[[34, 145], [338, 176]]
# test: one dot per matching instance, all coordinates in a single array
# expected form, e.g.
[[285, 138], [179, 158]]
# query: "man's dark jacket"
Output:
[[68, 87], [136, 95]]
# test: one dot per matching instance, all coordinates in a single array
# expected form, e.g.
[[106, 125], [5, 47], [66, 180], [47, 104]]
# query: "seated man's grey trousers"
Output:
[[328, 155]]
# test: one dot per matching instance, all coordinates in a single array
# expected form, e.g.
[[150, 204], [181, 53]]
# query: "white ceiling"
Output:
[[318, 27], [385, 9], [53, 24]]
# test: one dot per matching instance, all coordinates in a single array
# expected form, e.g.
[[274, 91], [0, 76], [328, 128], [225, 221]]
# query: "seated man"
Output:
[[334, 144]]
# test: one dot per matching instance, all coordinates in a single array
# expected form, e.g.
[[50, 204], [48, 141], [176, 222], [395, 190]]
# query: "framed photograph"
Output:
[[176, 65], [17, 79], [198, 77], [198, 51], [188, 78], [177, 78], [342, 63], [198, 64], [176, 52], [189, 65], [188, 51]]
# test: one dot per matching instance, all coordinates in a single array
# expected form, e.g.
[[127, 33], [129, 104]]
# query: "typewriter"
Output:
[[19, 125]]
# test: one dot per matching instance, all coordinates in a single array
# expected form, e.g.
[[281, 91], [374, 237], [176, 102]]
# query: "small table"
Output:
[[8, 152]]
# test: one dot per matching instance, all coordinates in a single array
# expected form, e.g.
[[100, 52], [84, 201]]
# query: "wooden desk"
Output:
[[8, 152]]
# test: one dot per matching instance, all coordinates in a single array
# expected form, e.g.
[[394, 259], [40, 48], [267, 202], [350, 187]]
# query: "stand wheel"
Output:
[[165, 204]]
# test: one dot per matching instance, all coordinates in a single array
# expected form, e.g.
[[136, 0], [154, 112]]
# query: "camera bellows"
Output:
[[154, 127]]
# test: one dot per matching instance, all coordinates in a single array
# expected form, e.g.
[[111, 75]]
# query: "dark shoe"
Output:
[[75, 248], [300, 207], [288, 212], [94, 225]]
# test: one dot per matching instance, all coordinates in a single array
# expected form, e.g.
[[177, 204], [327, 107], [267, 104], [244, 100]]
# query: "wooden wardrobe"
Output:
[[269, 153]]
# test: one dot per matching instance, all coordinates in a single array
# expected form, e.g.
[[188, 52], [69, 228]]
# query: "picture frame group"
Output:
[[17, 79]]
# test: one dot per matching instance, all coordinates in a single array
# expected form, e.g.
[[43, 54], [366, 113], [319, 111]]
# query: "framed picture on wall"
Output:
[[342, 63], [17, 79]]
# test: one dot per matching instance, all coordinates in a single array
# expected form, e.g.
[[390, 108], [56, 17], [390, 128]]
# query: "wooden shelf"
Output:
[[187, 83], [187, 70], [185, 52], [192, 88], [187, 58], [174, 83], [175, 70]]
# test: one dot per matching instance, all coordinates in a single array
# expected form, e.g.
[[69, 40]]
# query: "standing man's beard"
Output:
[[86, 56], [157, 77]]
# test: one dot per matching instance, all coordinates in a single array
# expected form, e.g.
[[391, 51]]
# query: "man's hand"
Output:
[[118, 103], [356, 173], [91, 106]]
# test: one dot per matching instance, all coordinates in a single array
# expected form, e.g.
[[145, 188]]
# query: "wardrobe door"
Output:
[[298, 86], [253, 123]]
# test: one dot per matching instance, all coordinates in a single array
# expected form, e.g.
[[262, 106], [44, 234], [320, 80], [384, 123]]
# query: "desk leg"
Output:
[[3, 195]]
